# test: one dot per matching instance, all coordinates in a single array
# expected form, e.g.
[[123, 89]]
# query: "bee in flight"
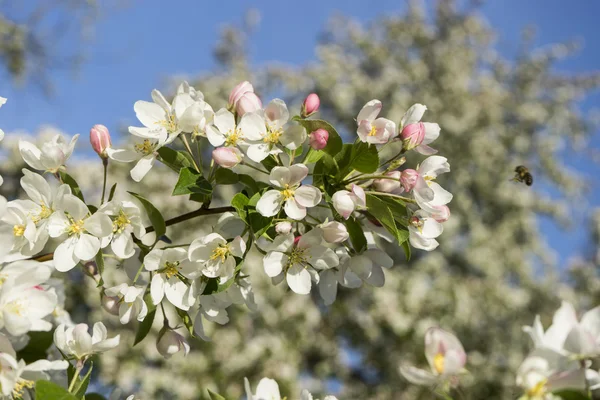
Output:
[[523, 175]]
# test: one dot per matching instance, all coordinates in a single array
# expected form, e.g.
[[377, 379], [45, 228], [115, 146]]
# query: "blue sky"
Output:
[[139, 45]]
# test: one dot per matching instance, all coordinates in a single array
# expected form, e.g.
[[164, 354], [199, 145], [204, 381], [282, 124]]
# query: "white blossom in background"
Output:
[[127, 222], [131, 302], [51, 157], [290, 193], [418, 135], [216, 255], [372, 129], [268, 389], [446, 357], [346, 202], [166, 266], [306, 395], [81, 231], [76, 342]]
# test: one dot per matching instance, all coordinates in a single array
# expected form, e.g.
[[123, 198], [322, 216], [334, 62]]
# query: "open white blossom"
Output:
[[225, 132], [216, 255], [51, 157], [423, 230], [127, 221], [372, 129], [416, 134], [131, 302], [77, 343]]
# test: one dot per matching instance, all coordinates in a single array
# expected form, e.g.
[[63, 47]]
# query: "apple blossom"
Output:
[[225, 132], [415, 134], [167, 266], [428, 193], [423, 229], [83, 232], [216, 255], [267, 389], [297, 197], [51, 157], [446, 358], [334, 232], [130, 302], [243, 99], [126, 219], [227, 157], [100, 140], [170, 342], [372, 129], [345, 202], [318, 139], [75, 342], [390, 184], [283, 227], [311, 105]]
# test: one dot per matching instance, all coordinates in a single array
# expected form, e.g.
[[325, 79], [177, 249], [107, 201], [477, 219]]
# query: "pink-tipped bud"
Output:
[[412, 135], [100, 140], [283, 227], [319, 138], [249, 102], [227, 157], [296, 240], [408, 179], [388, 185], [238, 91], [311, 105], [442, 214]]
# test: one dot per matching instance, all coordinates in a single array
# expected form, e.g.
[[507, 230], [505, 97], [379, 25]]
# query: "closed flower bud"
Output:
[[311, 105], [100, 140], [412, 135], [110, 303], [283, 228], [388, 185], [409, 178], [238, 91], [170, 342], [442, 214], [319, 138], [334, 232], [249, 102], [227, 157]]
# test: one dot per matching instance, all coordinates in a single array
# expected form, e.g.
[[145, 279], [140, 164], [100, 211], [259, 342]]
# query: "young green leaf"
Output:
[[225, 176], [382, 213], [156, 218], [176, 160], [94, 396], [46, 390], [146, 324], [334, 143], [83, 383], [68, 179], [187, 321], [239, 202], [100, 264], [571, 395], [113, 189], [357, 236], [190, 182], [215, 396], [258, 223]]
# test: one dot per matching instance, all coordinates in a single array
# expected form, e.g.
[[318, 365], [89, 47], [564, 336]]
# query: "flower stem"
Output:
[[254, 168], [105, 165], [366, 178], [78, 369]]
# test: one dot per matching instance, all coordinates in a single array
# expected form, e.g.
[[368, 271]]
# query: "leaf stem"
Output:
[[406, 199], [193, 214]]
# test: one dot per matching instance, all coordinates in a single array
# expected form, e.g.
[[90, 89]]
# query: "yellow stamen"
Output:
[[170, 124], [20, 387], [45, 213], [171, 269], [15, 308], [121, 222], [298, 256], [273, 135], [438, 363], [373, 131], [538, 390], [75, 228], [220, 252], [19, 230], [287, 192], [233, 137], [145, 148]]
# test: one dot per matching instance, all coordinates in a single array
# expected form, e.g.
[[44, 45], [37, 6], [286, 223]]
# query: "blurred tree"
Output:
[[493, 271]]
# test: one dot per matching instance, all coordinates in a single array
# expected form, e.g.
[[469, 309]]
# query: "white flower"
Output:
[[24, 303], [296, 260], [372, 129], [126, 221], [16, 376], [213, 306], [170, 342], [167, 265], [446, 357], [131, 302], [27, 239], [343, 274], [334, 232], [51, 157], [369, 265], [274, 132], [423, 229], [83, 232], [216, 255], [267, 389], [545, 371], [296, 198], [306, 395], [346, 202], [224, 130], [76, 342], [428, 193], [431, 131], [567, 335]]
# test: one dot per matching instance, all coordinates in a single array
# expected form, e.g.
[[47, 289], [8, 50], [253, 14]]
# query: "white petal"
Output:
[[417, 376], [298, 173], [224, 121], [121, 155], [307, 196], [87, 247], [294, 210], [258, 152], [142, 167], [277, 113], [293, 137], [370, 111], [298, 279], [149, 113], [270, 203], [273, 263], [414, 114], [252, 126], [157, 288], [328, 286], [64, 257], [98, 225], [215, 137]]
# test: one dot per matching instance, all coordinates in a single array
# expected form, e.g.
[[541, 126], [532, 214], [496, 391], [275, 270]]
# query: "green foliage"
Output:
[[36, 349], [357, 236], [111, 194], [46, 390], [69, 180], [94, 396], [156, 218], [99, 259], [174, 159], [382, 211], [191, 182], [215, 396], [82, 383], [187, 321], [145, 326], [571, 395], [359, 156]]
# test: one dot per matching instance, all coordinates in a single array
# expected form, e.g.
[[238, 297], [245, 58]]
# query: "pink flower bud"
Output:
[[249, 102], [388, 185], [442, 215], [283, 228], [296, 240], [408, 179], [412, 135], [318, 139], [311, 105], [238, 91], [100, 140], [227, 157], [170, 342]]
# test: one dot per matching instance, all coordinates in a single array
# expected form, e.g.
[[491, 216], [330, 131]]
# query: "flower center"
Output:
[[373, 131], [75, 228], [417, 223], [169, 124], [145, 148], [19, 230], [220, 252], [298, 256], [273, 135], [233, 137], [538, 390], [20, 387], [287, 192], [438, 363], [15, 308], [121, 222], [45, 213], [171, 268]]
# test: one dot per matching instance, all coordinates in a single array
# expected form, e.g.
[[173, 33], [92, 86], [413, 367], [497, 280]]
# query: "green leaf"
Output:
[[252, 185], [39, 342], [94, 396], [258, 223], [190, 181], [46, 390], [407, 250], [313, 156], [176, 160], [111, 194], [571, 395], [215, 396], [239, 202], [100, 264], [68, 179], [225, 176], [187, 321], [156, 218], [146, 324], [357, 236], [334, 143], [364, 158], [269, 163], [380, 210], [82, 383], [397, 207]]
